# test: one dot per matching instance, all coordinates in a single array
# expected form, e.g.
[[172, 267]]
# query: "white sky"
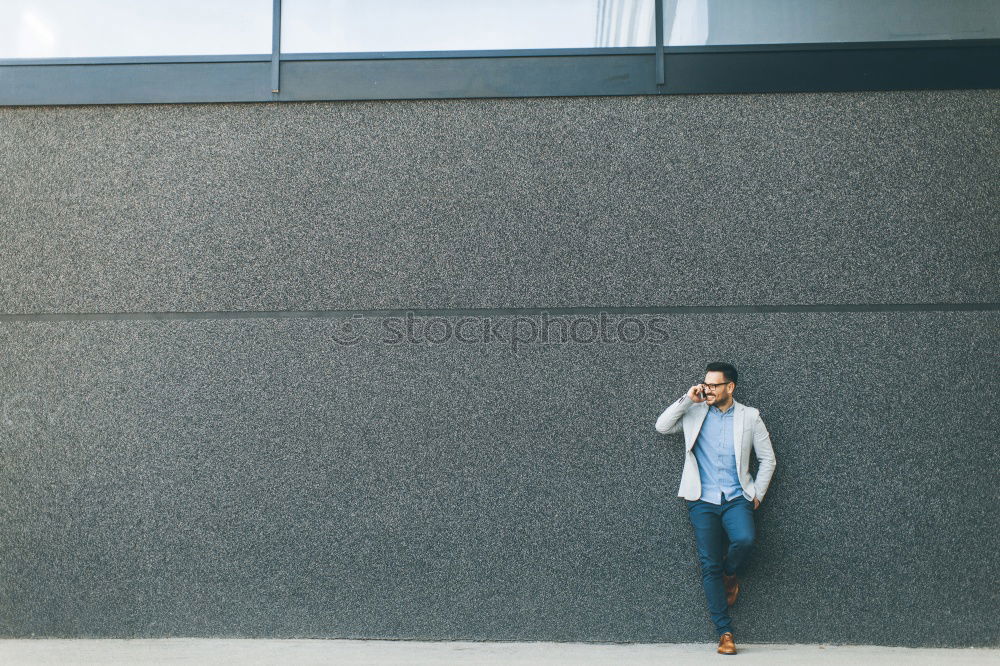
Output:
[[88, 28], [94, 28], [310, 26]]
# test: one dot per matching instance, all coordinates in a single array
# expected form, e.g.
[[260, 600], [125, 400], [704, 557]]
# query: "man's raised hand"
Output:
[[696, 393]]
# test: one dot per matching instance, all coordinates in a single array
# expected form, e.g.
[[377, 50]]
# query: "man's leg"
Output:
[[737, 520], [708, 533]]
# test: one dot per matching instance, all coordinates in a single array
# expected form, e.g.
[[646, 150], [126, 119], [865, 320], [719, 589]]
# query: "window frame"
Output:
[[654, 70]]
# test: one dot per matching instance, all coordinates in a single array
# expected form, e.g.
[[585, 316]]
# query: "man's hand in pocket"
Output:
[[756, 503]]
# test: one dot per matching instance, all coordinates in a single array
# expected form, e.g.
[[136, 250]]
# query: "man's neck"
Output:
[[724, 407]]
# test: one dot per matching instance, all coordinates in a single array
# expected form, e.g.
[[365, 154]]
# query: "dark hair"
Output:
[[728, 371]]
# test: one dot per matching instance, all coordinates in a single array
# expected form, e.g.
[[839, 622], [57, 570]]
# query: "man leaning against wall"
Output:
[[721, 496]]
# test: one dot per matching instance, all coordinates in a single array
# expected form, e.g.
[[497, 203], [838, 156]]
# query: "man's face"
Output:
[[717, 389]]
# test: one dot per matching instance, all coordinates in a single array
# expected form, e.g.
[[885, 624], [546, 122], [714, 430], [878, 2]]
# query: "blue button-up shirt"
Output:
[[717, 457]]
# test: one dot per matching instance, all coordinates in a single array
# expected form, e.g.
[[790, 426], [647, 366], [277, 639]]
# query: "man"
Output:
[[721, 496]]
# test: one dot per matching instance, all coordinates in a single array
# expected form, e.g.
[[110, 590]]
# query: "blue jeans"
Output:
[[711, 522]]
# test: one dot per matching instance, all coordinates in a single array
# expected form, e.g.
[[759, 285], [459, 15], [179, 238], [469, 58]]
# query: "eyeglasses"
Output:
[[714, 385]]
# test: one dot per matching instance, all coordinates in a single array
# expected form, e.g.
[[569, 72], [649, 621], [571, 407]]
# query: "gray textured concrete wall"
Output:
[[200, 439]]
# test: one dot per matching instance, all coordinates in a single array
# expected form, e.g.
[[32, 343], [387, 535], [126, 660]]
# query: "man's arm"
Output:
[[765, 457], [670, 420]]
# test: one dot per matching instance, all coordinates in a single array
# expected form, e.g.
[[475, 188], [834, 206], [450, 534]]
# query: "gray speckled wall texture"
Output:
[[209, 428]]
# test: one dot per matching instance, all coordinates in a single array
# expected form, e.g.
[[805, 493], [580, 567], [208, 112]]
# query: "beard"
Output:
[[716, 399]]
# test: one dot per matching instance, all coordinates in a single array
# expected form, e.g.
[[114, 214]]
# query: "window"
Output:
[[106, 28]]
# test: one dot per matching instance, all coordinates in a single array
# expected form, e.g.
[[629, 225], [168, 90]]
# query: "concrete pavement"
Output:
[[303, 652]]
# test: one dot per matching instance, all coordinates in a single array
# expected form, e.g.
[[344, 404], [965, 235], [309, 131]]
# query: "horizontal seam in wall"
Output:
[[503, 312]]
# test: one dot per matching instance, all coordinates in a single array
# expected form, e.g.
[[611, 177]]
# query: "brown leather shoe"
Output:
[[726, 644], [732, 588]]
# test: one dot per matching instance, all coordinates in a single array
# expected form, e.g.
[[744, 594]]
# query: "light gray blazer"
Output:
[[749, 434]]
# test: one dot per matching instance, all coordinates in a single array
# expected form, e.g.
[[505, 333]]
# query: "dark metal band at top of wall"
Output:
[[957, 64]]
